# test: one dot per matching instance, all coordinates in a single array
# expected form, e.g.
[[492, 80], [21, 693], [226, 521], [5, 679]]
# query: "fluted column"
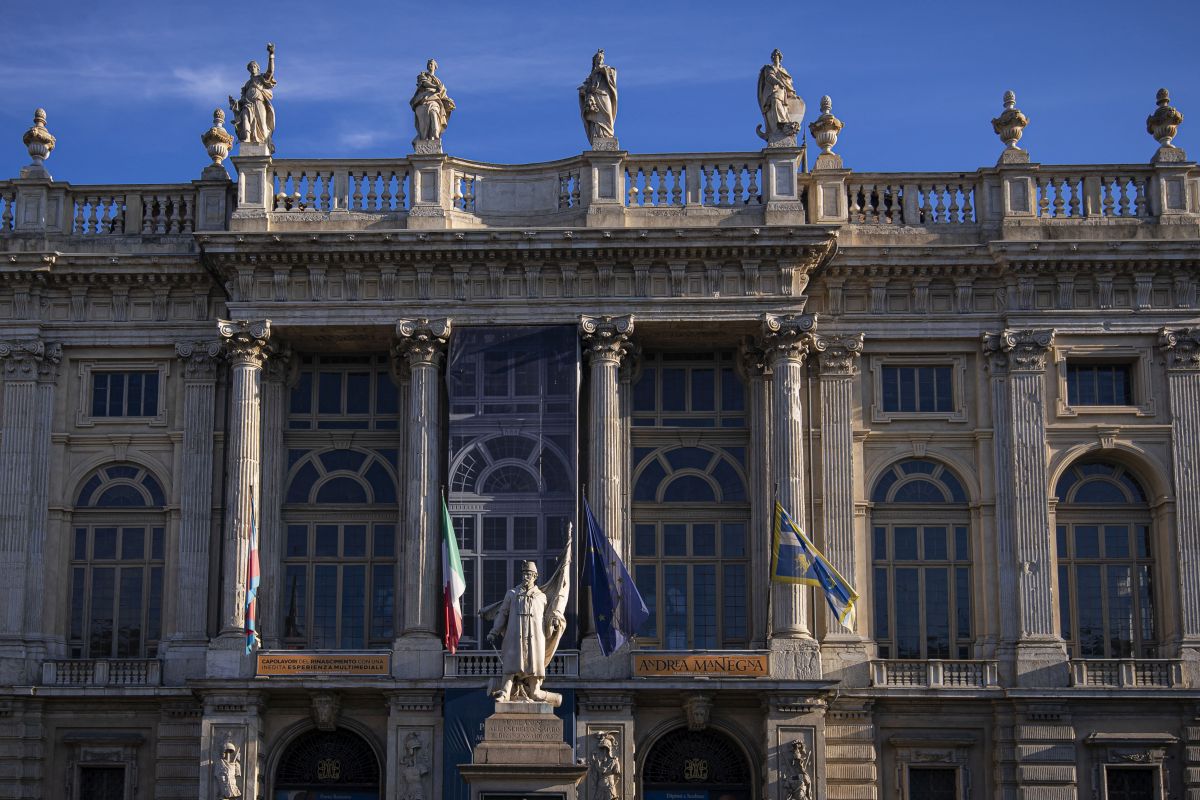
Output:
[[838, 357], [753, 368], [422, 343], [39, 491], [1182, 350], [200, 363], [246, 348], [1022, 469], [786, 340], [22, 365], [605, 344], [277, 376]]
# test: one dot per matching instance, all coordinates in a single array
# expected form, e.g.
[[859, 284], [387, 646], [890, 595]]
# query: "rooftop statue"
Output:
[[598, 104], [529, 623], [431, 109], [781, 107], [254, 116]]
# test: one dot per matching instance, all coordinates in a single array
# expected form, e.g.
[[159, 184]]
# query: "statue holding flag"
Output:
[[529, 622]]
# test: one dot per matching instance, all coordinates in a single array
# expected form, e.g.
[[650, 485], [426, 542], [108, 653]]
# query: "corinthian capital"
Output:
[[245, 342], [422, 341], [787, 336], [838, 355], [1018, 351], [30, 359], [199, 359], [1181, 347], [606, 338]]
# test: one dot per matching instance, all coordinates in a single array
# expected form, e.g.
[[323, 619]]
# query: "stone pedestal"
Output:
[[523, 754]]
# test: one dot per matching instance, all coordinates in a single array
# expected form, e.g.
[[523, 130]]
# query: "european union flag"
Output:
[[618, 609], [795, 559]]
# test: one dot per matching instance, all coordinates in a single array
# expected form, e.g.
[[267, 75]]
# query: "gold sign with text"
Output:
[[724, 665], [323, 664]]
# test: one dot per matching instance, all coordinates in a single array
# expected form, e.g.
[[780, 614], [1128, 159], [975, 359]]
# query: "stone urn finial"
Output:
[[825, 129], [1010, 126], [38, 140], [217, 141], [1163, 124]]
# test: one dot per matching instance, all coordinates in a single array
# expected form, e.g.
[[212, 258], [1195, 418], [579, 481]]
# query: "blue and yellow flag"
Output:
[[795, 559]]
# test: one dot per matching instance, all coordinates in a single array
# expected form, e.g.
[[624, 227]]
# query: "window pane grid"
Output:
[[125, 394], [700, 390], [1099, 384], [116, 592], [344, 394], [917, 389]]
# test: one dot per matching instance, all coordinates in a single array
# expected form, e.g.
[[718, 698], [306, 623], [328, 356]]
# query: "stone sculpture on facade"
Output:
[[431, 110], [529, 623], [605, 767], [825, 130], [227, 772], [217, 141], [782, 108], [414, 766], [798, 784], [254, 116], [1009, 126], [598, 104], [1163, 124], [40, 143]]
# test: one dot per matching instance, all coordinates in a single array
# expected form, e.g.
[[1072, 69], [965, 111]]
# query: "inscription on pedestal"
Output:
[[507, 729]]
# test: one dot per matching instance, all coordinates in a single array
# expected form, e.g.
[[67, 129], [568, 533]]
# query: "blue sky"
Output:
[[129, 86]]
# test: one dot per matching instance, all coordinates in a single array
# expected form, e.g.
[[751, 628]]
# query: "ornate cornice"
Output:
[[606, 338], [245, 341], [200, 359], [1181, 347], [787, 336], [838, 355], [1018, 350], [31, 359], [422, 341]]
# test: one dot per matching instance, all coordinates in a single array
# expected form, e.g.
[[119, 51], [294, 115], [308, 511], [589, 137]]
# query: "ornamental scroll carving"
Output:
[[422, 341], [1018, 351], [606, 337], [838, 355], [245, 341], [199, 359], [787, 336], [30, 359], [1181, 348]]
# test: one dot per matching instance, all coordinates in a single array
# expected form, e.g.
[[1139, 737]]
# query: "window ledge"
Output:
[[935, 674], [1126, 673], [102, 672]]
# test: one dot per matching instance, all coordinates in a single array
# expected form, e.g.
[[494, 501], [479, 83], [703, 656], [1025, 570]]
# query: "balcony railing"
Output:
[[483, 664], [102, 672], [1126, 673], [935, 674]]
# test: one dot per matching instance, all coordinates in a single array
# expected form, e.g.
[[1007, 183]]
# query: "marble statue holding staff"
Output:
[[598, 103], [254, 116], [781, 107], [529, 622], [431, 105]]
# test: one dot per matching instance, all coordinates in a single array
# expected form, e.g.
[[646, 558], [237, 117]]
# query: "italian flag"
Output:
[[455, 583]]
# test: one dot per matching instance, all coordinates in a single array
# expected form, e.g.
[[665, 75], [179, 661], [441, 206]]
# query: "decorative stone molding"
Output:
[[935, 751], [245, 342], [697, 708], [216, 140], [106, 749], [1163, 124], [326, 706], [422, 341], [838, 355], [606, 338], [825, 130], [39, 141], [787, 336], [1019, 351], [199, 359], [1181, 347], [1010, 126], [30, 358]]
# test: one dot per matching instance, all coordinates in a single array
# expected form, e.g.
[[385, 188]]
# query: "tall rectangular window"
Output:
[[922, 388], [1091, 383], [125, 394], [116, 591]]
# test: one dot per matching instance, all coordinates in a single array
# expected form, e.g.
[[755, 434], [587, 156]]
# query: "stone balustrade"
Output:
[[59, 208], [1126, 673], [102, 672], [935, 674], [483, 664]]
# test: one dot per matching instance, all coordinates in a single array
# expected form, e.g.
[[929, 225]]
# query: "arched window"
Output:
[[1105, 563], [116, 564], [690, 554], [339, 558], [684, 759], [921, 562]]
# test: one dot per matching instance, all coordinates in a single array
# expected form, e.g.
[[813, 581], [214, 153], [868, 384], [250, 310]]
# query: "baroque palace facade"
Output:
[[978, 392]]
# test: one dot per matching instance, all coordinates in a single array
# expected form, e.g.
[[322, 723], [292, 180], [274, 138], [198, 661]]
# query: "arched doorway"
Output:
[[328, 765], [696, 765]]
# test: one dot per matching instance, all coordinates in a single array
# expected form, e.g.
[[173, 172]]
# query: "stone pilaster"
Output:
[[838, 357], [851, 760], [786, 342], [1045, 751], [1181, 349], [1018, 360], [414, 744], [795, 746], [277, 377], [25, 365], [37, 627], [178, 755], [246, 348], [422, 343], [200, 365], [234, 720], [606, 716], [754, 372], [22, 750]]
